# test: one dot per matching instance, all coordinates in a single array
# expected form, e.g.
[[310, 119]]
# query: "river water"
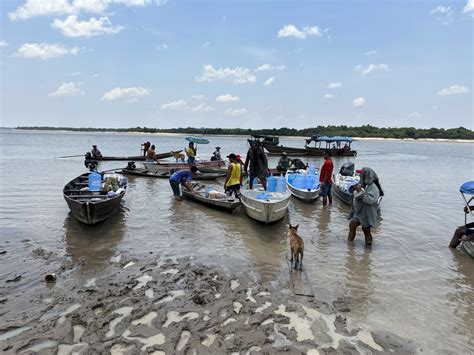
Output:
[[409, 283]]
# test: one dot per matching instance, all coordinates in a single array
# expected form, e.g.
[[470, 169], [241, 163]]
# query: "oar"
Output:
[[70, 156], [106, 171]]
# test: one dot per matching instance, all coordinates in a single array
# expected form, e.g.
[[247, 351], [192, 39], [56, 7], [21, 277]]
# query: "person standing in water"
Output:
[[325, 178], [366, 196]]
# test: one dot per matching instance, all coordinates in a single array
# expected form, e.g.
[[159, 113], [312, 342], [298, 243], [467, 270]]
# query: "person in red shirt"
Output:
[[325, 178]]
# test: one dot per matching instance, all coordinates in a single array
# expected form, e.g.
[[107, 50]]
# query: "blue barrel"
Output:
[[271, 184], [281, 184], [95, 181]]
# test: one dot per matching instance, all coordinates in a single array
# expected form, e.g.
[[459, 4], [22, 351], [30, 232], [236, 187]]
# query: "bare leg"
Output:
[[330, 199], [325, 200], [368, 235], [458, 234], [352, 230]]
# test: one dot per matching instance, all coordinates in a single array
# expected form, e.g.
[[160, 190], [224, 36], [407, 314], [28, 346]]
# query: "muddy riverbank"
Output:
[[155, 305]]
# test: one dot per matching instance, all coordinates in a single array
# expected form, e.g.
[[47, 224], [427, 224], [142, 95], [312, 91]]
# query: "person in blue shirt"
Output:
[[184, 178]]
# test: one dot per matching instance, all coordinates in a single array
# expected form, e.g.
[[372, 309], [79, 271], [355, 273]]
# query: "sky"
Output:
[[236, 64]]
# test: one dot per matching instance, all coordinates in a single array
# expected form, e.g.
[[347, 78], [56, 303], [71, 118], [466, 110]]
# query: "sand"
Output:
[[177, 306]]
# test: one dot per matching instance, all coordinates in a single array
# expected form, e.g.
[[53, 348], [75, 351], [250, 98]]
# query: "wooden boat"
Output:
[[89, 207], [167, 174], [138, 157], [264, 206], [202, 165], [307, 194], [200, 195], [321, 144]]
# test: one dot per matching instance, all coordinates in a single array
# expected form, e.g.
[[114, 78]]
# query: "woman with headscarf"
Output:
[[366, 195]]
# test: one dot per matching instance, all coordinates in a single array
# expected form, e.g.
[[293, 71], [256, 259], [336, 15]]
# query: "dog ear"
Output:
[[289, 225], [296, 227]]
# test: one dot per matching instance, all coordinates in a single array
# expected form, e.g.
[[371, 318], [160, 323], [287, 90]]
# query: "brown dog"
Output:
[[297, 247]]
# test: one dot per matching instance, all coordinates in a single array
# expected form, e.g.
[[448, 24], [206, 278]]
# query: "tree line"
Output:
[[366, 131]]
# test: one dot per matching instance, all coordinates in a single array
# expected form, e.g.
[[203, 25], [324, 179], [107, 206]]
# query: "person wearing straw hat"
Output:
[[217, 154]]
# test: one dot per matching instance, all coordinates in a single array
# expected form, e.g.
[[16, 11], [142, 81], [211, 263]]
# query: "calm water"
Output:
[[410, 283]]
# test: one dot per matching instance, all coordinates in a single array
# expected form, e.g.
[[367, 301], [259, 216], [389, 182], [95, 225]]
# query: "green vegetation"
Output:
[[362, 131]]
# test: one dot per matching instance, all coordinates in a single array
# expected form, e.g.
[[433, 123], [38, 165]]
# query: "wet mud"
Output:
[[168, 306]]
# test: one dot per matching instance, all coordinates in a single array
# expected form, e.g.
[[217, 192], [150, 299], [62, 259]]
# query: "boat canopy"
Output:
[[197, 140], [467, 188], [331, 139], [266, 139]]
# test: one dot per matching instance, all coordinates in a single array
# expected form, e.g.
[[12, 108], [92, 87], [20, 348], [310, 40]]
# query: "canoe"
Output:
[[226, 204], [166, 174], [161, 165], [266, 207], [90, 207], [306, 193], [138, 157]]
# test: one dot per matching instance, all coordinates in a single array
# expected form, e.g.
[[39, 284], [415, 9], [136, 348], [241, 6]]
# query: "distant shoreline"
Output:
[[455, 135]]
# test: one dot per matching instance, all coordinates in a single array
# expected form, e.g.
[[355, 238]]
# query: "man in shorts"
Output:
[[184, 178], [233, 180], [325, 178]]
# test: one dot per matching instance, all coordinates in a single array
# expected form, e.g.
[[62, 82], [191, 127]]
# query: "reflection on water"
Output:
[[94, 245], [358, 278]]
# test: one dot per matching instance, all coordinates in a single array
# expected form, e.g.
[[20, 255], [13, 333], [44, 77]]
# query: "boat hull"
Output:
[[137, 157], [203, 166], [87, 210], [307, 195], [229, 204], [264, 211], [165, 174], [319, 152], [468, 247]]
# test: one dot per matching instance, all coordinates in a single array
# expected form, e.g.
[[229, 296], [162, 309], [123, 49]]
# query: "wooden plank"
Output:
[[299, 281]]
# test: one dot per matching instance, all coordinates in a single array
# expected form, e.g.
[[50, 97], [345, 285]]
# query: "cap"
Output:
[[238, 156], [218, 147], [283, 153], [94, 145], [232, 156]]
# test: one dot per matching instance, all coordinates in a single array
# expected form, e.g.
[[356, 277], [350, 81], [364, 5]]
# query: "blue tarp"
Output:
[[197, 140], [467, 188], [331, 139]]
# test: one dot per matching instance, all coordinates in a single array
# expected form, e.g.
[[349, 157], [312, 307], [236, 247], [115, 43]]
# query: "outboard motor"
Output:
[[347, 169], [131, 165]]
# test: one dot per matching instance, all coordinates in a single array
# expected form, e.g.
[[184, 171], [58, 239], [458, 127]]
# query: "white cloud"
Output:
[[127, 95], [227, 98], [443, 13], [373, 52], [33, 8], [293, 31], [235, 112], [203, 108], [68, 89], [360, 101], [269, 81], [198, 97], [334, 85], [44, 50], [453, 90], [329, 96], [415, 115], [371, 68], [175, 105], [3, 43], [206, 44], [71, 27], [440, 10], [469, 6], [266, 67], [238, 75]]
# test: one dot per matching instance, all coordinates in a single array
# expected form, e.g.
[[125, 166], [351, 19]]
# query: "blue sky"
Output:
[[248, 64]]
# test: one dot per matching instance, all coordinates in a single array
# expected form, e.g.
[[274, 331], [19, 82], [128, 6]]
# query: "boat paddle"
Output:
[[70, 156]]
